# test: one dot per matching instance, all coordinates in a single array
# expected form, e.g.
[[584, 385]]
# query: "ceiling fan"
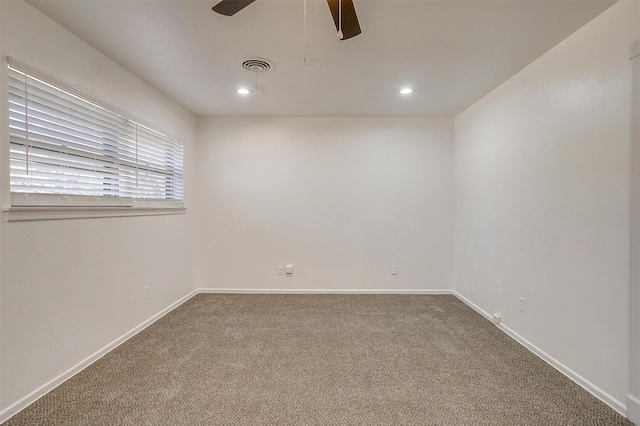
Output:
[[343, 12]]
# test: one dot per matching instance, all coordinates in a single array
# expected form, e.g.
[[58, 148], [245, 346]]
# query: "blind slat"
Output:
[[61, 144]]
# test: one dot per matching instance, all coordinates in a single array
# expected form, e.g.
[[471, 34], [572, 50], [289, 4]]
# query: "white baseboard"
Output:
[[57, 381], [317, 291], [473, 306], [633, 409], [620, 407]]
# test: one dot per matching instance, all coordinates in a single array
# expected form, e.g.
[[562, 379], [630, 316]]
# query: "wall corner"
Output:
[[633, 399]]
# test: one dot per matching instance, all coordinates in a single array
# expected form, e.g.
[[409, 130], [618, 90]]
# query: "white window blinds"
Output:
[[66, 149]]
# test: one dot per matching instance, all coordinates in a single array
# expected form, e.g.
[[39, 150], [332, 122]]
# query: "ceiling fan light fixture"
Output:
[[406, 91]]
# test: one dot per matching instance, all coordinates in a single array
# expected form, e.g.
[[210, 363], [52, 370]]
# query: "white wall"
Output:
[[342, 199], [70, 287], [541, 201]]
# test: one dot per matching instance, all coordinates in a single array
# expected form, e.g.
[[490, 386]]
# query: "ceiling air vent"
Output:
[[257, 65]]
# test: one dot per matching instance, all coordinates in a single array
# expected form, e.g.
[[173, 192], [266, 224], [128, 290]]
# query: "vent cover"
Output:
[[257, 65]]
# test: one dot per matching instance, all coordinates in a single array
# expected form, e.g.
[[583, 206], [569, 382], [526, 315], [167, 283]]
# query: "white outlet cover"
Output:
[[289, 269]]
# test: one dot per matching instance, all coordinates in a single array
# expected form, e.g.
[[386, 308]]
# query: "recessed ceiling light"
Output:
[[243, 91], [406, 91]]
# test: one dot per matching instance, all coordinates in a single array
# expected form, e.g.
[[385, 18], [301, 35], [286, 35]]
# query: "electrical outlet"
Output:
[[146, 292], [522, 305], [289, 270], [280, 270], [394, 269]]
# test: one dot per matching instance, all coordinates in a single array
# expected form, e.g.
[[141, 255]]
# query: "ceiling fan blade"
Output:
[[350, 24], [231, 7]]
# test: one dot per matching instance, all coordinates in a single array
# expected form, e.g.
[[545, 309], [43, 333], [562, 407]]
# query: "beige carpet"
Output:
[[319, 360]]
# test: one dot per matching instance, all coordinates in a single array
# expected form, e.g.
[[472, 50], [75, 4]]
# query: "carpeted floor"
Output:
[[319, 360]]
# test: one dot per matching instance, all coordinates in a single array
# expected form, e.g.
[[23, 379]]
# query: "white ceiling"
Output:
[[451, 52]]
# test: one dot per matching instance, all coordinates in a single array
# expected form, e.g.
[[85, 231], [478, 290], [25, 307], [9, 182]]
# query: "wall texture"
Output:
[[541, 201], [70, 287], [342, 199]]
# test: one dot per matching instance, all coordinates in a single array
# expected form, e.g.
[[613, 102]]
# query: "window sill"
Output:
[[19, 214]]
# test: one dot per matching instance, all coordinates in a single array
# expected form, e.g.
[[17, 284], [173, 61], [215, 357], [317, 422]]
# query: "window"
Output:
[[67, 149]]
